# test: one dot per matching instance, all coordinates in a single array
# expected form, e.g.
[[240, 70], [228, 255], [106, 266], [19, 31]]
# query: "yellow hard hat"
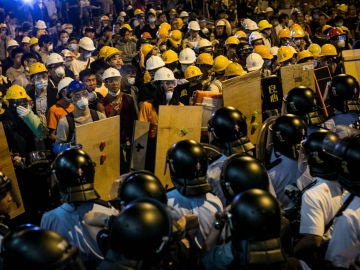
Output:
[[240, 34], [172, 11], [284, 33], [102, 52], [147, 77], [220, 63], [111, 52], [170, 56], [315, 49], [328, 50], [180, 22], [304, 55], [127, 26], [297, 31], [343, 7], [264, 24], [285, 53], [146, 49], [165, 26], [192, 72], [234, 69], [138, 11], [232, 41], [37, 68], [16, 92], [34, 41], [264, 51], [162, 33], [205, 59], [175, 37], [325, 28]]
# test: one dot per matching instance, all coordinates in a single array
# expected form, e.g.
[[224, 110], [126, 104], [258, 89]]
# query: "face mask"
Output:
[[82, 103], [113, 94], [87, 55], [338, 24], [152, 20], [136, 23], [36, 48], [41, 84], [60, 72], [64, 40], [131, 80], [169, 95], [50, 48], [73, 47], [340, 44]]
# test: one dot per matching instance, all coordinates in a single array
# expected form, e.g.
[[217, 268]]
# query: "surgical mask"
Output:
[[64, 40], [73, 47], [169, 95], [87, 55], [41, 84], [152, 20], [338, 24], [131, 80], [340, 44], [82, 103], [111, 93], [60, 72], [50, 48]]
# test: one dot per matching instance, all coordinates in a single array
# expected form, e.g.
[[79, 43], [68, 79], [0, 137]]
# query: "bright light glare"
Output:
[[28, 1]]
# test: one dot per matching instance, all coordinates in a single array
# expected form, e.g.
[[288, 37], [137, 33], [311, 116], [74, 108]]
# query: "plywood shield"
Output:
[[6, 166], [297, 75], [244, 93], [101, 140], [141, 130], [352, 62], [176, 123]]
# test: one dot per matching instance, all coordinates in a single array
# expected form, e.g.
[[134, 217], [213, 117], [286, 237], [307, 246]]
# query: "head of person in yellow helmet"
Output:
[[177, 24], [265, 28], [315, 50], [285, 55], [175, 39], [304, 56], [39, 76], [220, 63], [113, 58], [231, 44], [241, 36], [16, 96], [265, 54], [171, 60], [193, 75], [298, 36], [233, 70], [284, 36], [205, 62]]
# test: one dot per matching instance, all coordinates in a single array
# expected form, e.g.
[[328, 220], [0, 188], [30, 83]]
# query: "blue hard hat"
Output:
[[75, 86]]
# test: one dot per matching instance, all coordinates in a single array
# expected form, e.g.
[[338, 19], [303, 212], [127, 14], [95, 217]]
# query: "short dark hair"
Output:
[[29, 55], [98, 64], [44, 39], [16, 51], [85, 73]]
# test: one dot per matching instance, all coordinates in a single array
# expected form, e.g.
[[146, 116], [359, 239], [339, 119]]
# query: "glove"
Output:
[[22, 111]]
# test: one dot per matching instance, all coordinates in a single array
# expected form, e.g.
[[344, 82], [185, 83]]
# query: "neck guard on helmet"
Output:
[[192, 187], [81, 193], [241, 145]]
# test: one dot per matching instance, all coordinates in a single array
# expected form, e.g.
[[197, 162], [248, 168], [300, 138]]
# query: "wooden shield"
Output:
[[101, 140], [297, 75], [176, 123], [6, 166], [141, 130], [244, 93], [352, 62]]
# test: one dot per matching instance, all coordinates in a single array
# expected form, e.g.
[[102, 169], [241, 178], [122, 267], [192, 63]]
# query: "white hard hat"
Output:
[[274, 50], [154, 62], [64, 82], [110, 73], [40, 24], [87, 44], [204, 43], [254, 36], [164, 74], [269, 9], [12, 43], [67, 53], [250, 25], [194, 25], [221, 23], [25, 40], [54, 58], [254, 61], [183, 14], [187, 56]]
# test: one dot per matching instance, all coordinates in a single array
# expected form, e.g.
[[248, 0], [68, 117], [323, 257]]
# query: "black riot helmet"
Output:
[[301, 101], [288, 131], [34, 248], [255, 216], [227, 124], [141, 184], [255, 222], [75, 172], [241, 172], [188, 163], [348, 152], [344, 93], [5, 185], [141, 231], [321, 162]]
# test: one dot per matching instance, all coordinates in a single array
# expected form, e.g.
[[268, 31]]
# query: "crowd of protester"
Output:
[[289, 202]]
